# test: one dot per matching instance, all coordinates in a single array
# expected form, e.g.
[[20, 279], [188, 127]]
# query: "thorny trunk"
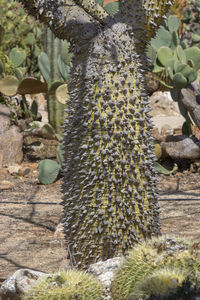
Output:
[[109, 185]]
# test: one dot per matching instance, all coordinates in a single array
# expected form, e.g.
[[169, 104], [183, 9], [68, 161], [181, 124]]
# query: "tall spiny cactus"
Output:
[[109, 184]]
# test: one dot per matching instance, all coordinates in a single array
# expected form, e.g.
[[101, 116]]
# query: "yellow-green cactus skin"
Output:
[[147, 259], [109, 186], [66, 285]]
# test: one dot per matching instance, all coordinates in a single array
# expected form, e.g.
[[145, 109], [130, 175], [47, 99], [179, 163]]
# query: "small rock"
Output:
[[163, 105], [19, 283], [3, 173], [177, 131], [11, 143], [14, 170], [6, 185], [181, 147], [155, 133], [59, 232], [4, 118], [104, 270], [195, 166], [24, 171], [166, 130]]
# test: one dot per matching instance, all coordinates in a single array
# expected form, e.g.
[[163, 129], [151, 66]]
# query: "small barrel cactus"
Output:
[[161, 283], [150, 257], [66, 285]]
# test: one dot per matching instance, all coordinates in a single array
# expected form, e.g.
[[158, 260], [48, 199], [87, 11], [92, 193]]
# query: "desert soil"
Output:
[[30, 212]]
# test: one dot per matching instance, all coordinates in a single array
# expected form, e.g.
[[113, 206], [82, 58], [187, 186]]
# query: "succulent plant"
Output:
[[146, 259], [21, 36], [66, 285], [54, 65], [49, 169], [17, 57], [160, 283], [10, 86], [169, 56], [173, 59], [109, 183]]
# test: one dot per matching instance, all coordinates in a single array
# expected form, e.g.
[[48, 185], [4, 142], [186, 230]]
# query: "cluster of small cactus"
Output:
[[173, 57], [66, 285], [157, 267], [54, 66]]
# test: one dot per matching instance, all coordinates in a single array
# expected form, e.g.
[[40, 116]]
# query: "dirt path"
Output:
[[29, 214]]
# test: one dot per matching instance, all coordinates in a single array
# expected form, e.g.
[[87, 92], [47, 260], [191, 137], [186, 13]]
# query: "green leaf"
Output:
[[193, 54], [112, 8], [169, 73], [157, 68], [62, 93], [179, 81], [48, 171], [9, 86], [34, 109], [164, 55], [192, 76], [60, 155], [184, 69], [173, 23], [45, 68], [181, 54], [37, 51], [174, 41], [54, 86], [169, 68], [32, 86], [151, 53], [63, 69], [163, 38], [30, 39], [17, 57], [65, 54], [184, 45], [164, 171], [195, 38]]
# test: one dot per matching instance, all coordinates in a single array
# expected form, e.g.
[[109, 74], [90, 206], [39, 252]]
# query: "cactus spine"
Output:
[[110, 199]]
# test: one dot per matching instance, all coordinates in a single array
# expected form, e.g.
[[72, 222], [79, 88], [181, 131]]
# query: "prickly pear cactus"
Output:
[[109, 185]]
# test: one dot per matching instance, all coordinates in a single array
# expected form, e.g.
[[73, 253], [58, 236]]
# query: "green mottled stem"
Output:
[[53, 48], [109, 184], [110, 200]]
